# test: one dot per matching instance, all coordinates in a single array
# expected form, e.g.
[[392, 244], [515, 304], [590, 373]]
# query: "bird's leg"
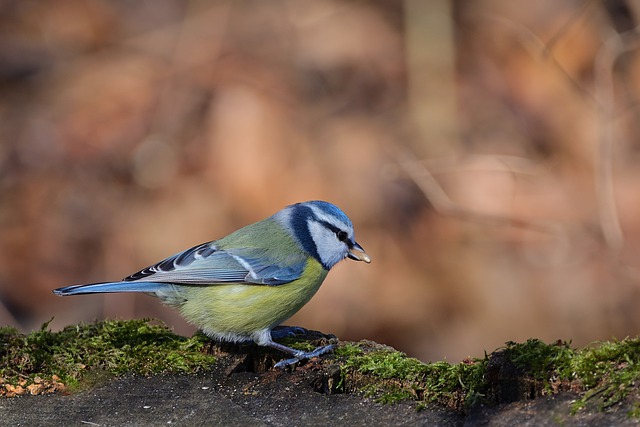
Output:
[[298, 355], [263, 338]]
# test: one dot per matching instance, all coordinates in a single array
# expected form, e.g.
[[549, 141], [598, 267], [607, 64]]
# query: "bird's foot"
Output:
[[301, 355], [287, 331]]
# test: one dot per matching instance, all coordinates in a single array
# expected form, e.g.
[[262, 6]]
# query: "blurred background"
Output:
[[487, 152]]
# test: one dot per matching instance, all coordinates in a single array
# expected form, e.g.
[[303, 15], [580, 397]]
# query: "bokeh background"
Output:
[[487, 152]]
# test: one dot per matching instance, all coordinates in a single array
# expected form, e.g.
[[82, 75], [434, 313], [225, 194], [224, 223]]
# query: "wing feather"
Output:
[[206, 264]]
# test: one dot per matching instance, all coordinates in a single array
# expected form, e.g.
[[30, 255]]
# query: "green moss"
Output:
[[603, 374], [94, 351], [608, 371], [404, 377], [634, 412], [389, 396], [347, 350], [297, 343], [538, 359], [385, 364]]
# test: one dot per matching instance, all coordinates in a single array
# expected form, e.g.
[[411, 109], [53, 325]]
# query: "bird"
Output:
[[240, 287]]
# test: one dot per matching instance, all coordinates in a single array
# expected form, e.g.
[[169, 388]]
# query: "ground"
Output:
[[360, 384]]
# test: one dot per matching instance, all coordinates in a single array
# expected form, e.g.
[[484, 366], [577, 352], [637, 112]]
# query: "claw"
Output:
[[286, 362], [304, 355]]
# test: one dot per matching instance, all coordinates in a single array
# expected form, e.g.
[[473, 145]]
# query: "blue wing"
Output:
[[206, 264]]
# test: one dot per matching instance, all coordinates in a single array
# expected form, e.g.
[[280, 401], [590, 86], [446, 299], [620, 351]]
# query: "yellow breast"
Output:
[[228, 310]]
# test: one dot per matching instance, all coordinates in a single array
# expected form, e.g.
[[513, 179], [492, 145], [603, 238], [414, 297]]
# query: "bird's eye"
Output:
[[342, 236]]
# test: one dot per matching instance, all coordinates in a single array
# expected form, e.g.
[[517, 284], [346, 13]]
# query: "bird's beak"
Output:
[[358, 257]]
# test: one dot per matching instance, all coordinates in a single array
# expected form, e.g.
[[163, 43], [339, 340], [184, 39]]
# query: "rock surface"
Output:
[[244, 400]]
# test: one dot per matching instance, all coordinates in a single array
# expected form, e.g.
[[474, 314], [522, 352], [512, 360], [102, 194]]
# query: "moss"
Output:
[[297, 343], [634, 412], [538, 359], [401, 377], [603, 374], [45, 361], [347, 350], [608, 371], [391, 394]]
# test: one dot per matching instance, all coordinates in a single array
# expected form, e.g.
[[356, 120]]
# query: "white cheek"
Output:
[[330, 249]]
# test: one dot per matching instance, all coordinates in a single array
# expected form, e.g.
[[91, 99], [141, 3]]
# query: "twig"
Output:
[[613, 48], [607, 210], [483, 162], [441, 202], [539, 50]]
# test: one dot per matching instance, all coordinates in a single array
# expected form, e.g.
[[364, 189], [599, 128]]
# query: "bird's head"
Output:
[[323, 231]]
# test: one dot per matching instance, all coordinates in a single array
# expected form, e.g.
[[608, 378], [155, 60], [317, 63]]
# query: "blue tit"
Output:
[[240, 287]]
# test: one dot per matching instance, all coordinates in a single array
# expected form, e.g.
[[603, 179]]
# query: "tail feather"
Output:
[[108, 287]]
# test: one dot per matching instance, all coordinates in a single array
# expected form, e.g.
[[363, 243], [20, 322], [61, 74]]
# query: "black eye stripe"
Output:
[[300, 219], [301, 230], [330, 226], [341, 234]]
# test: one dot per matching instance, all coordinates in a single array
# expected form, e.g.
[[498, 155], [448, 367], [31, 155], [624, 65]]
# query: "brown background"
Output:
[[132, 130]]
